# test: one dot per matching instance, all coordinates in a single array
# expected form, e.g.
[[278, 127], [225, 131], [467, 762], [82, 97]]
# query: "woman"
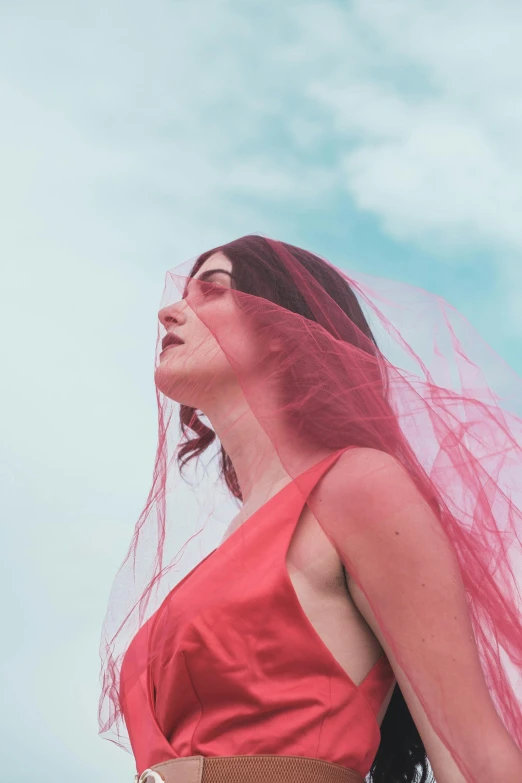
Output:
[[359, 615]]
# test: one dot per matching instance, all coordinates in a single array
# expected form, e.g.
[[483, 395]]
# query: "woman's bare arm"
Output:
[[398, 559]]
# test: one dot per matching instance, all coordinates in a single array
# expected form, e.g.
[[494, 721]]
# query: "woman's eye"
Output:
[[214, 291]]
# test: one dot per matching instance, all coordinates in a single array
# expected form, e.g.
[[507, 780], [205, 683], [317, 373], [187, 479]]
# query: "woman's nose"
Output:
[[171, 314]]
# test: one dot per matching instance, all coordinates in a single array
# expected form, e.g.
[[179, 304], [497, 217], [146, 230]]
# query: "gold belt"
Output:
[[248, 769]]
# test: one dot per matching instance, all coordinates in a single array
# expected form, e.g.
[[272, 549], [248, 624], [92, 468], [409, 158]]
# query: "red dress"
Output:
[[244, 671]]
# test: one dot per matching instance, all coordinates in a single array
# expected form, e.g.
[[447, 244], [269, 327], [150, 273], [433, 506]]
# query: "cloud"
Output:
[[431, 123], [414, 109]]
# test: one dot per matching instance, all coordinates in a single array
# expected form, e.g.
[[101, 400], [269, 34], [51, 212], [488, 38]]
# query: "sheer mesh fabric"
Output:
[[436, 414]]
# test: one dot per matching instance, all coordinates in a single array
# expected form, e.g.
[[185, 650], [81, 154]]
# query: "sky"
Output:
[[382, 134]]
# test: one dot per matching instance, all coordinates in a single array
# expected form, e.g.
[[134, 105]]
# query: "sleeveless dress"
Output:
[[244, 671]]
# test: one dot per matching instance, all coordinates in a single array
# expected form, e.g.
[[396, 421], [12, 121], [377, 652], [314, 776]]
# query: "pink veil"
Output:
[[421, 390]]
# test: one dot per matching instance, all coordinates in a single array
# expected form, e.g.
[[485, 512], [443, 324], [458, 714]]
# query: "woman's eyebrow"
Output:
[[209, 272], [205, 275]]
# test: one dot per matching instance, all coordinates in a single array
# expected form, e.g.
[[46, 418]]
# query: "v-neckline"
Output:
[[270, 500], [241, 526]]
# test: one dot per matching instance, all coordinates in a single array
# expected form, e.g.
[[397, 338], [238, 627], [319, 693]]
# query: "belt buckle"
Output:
[[149, 776]]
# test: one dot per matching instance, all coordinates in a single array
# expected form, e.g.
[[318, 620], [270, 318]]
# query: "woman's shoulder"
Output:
[[363, 466], [365, 484]]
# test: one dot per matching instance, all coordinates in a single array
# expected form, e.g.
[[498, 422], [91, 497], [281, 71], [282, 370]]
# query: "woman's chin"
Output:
[[174, 386], [166, 381]]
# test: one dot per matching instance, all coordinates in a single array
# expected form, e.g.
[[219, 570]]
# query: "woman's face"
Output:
[[198, 372]]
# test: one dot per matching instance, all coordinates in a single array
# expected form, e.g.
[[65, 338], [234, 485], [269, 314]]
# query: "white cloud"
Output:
[[421, 103], [432, 121]]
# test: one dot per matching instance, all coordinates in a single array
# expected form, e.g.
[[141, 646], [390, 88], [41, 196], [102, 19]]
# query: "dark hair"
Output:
[[257, 270]]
